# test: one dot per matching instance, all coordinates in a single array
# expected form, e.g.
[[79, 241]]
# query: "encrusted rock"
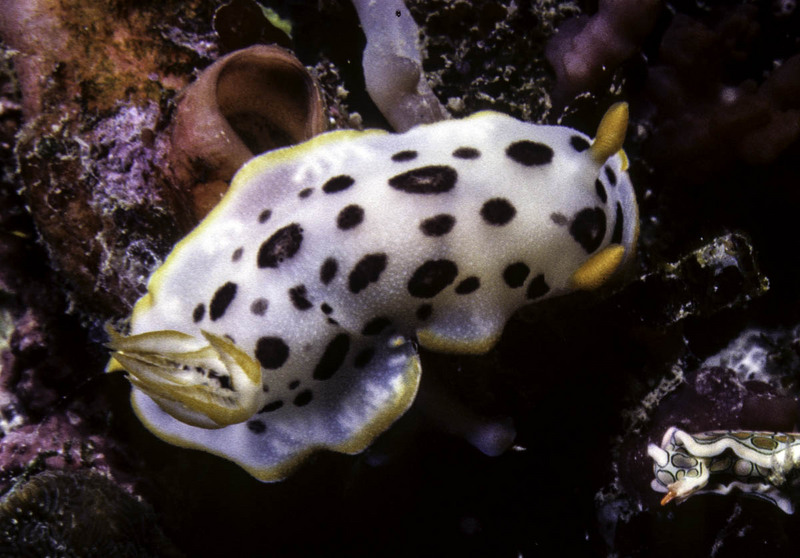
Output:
[[723, 273], [78, 514]]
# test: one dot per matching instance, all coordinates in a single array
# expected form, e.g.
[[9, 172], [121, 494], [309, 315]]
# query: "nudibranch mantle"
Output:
[[284, 323]]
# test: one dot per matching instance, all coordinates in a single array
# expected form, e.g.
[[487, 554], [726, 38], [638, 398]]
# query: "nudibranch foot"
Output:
[[755, 463]]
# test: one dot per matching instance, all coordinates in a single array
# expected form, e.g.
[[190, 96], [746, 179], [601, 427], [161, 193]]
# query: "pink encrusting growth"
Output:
[[585, 51]]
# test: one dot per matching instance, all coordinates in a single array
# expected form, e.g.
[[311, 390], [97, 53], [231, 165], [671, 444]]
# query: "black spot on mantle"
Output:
[[338, 184], [466, 153], [468, 285], [515, 274], [367, 270], [272, 352], [431, 278], [221, 300], [498, 211], [333, 357], [350, 217], [588, 228], [282, 245], [434, 179], [299, 297], [438, 225], [327, 270], [529, 153]]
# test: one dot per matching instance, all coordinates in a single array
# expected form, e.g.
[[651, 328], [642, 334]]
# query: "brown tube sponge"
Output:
[[245, 103], [34, 30]]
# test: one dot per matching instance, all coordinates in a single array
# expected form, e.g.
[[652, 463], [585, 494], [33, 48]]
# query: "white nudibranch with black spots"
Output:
[[285, 322]]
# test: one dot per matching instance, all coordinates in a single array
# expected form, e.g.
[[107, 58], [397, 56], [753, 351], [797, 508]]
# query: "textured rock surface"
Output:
[[90, 155], [78, 515]]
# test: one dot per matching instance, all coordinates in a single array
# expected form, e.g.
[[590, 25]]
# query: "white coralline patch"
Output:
[[757, 355]]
